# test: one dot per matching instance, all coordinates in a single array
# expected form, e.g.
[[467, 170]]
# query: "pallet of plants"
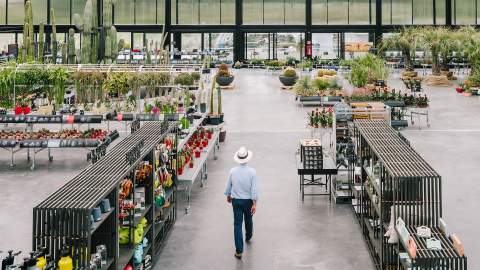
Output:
[[320, 90]]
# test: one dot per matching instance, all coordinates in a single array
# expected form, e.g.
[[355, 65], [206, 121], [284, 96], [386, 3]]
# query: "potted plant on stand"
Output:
[[223, 77], [289, 77]]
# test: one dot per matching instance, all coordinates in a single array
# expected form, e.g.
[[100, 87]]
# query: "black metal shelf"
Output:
[[408, 186], [104, 216], [66, 213]]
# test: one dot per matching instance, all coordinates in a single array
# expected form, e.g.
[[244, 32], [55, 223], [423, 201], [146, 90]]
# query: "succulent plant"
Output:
[[54, 36], [71, 46], [41, 44], [290, 72]]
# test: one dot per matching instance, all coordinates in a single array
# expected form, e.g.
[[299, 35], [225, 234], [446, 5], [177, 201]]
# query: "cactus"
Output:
[[108, 50], [94, 32], [113, 43], [87, 33], [121, 44], [219, 97], [21, 54], [149, 55], [64, 53], [71, 46], [28, 34], [54, 36], [41, 44]]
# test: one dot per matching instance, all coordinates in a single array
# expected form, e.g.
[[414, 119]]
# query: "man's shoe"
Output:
[[238, 255], [248, 240]]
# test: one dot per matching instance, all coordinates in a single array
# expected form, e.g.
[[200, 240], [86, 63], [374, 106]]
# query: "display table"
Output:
[[199, 170], [328, 169]]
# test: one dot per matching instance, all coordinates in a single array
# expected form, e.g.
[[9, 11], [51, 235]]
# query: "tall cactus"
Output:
[[71, 46], [41, 44], [64, 53], [94, 32], [108, 50], [28, 34], [149, 55], [87, 33], [113, 43], [54, 36]]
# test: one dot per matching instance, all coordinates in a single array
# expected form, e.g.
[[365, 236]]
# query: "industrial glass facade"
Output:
[[255, 12], [259, 27]]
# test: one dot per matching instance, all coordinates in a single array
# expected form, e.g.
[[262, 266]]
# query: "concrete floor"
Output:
[[288, 234]]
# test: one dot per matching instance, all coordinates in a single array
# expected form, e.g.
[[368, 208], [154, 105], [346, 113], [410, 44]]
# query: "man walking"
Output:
[[242, 193]]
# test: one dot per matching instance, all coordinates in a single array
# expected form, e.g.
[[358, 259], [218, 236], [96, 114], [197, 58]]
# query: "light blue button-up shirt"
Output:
[[242, 183]]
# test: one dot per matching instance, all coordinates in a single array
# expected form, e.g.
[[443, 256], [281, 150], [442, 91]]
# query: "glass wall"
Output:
[[274, 12], [127, 39], [145, 12], [5, 40], [161, 11], [39, 8], [440, 11], [62, 11], [124, 12], [423, 11], [3, 11], [191, 42], [464, 12], [15, 11], [289, 45], [253, 11], [193, 12], [258, 46], [326, 45], [78, 7], [356, 44], [341, 12]]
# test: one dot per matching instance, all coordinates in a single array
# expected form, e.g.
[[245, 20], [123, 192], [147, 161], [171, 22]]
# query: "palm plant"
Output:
[[450, 41], [471, 47], [431, 39], [405, 41]]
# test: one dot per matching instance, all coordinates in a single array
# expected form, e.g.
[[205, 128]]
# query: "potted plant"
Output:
[[184, 79], [238, 65], [289, 77], [467, 92], [223, 77]]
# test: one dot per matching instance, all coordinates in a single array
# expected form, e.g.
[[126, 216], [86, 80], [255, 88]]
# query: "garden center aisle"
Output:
[[288, 234]]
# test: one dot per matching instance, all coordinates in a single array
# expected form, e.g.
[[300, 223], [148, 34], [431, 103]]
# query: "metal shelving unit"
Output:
[[63, 219], [396, 178]]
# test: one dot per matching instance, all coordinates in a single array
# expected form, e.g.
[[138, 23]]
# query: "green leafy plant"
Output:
[[367, 69], [195, 76], [321, 84], [59, 77], [184, 79], [405, 41], [115, 83]]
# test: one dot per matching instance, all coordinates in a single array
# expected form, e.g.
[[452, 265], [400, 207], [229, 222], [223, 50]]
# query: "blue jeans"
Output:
[[242, 209]]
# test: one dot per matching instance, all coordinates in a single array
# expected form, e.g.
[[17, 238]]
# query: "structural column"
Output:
[[378, 22], [448, 12], [238, 35], [308, 25]]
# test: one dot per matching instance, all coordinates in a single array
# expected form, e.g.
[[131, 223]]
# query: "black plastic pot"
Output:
[[288, 81], [225, 81], [214, 120], [203, 107], [206, 71]]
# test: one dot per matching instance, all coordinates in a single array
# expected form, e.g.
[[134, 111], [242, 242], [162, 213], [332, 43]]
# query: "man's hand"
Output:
[[254, 208], [229, 199]]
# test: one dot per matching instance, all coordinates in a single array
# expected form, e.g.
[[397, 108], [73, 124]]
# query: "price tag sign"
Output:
[[53, 143]]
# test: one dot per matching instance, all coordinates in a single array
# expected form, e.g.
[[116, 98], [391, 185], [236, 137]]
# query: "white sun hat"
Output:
[[243, 155]]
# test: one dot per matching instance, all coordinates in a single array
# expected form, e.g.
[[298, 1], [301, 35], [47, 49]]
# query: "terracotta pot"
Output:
[[467, 94]]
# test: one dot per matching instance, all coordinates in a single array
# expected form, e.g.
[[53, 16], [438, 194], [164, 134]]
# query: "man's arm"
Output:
[[228, 190], [254, 193]]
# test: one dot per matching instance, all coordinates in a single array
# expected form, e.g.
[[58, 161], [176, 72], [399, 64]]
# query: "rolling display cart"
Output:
[[398, 183], [64, 219], [35, 146]]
